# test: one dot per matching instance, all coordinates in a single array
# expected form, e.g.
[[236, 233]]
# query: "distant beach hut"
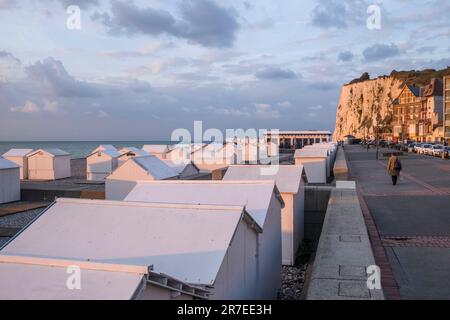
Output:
[[330, 155], [48, 164], [158, 150], [120, 182], [291, 184], [19, 157], [131, 152], [101, 162], [9, 181], [315, 163], [262, 201], [185, 169], [104, 147], [129, 250]]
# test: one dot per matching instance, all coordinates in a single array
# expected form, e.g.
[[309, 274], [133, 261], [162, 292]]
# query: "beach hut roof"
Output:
[[286, 177], [6, 164], [54, 152], [254, 195], [311, 153], [136, 151], [17, 152], [179, 167], [103, 147], [156, 148], [156, 167], [188, 242], [113, 153]]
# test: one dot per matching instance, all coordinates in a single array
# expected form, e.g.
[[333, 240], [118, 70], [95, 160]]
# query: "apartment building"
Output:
[[418, 113]]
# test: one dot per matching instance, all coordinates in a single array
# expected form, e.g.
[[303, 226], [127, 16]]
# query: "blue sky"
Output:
[[137, 70]]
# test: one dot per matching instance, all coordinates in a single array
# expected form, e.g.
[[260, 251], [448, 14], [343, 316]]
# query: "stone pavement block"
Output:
[[349, 238], [330, 289], [353, 271], [354, 290], [346, 185]]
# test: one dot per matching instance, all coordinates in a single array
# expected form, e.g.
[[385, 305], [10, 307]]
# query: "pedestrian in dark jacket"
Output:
[[394, 167]]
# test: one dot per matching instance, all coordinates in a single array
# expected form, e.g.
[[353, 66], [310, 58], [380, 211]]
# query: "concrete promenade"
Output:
[[408, 224]]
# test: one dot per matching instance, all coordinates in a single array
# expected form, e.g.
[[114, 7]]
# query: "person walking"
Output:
[[394, 167]]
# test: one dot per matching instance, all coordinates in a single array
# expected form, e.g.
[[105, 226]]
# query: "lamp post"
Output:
[[377, 141]]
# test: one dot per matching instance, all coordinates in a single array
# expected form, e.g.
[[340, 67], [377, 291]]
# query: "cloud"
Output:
[[315, 108], [284, 104], [32, 107], [202, 22], [28, 107], [380, 51], [339, 14], [427, 49], [52, 73], [345, 56], [83, 4], [147, 50], [50, 106], [233, 112], [7, 4], [324, 85], [273, 73], [8, 56], [266, 111], [102, 114]]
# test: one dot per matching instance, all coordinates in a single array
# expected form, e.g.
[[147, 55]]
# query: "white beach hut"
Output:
[[262, 201], [314, 162], [328, 153], [131, 152], [104, 147], [48, 164], [185, 169], [131, 250], [290, 182], [100, 164], [9, 181], [123, 179], [19, 157], [158, 150]]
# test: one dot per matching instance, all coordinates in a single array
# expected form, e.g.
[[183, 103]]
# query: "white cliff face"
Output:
[[366, 105]]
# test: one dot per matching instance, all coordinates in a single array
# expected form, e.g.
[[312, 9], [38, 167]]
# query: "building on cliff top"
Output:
[[446, 110], [418, 113]]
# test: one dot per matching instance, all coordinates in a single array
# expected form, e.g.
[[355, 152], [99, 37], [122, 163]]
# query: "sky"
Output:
[[137, 70]]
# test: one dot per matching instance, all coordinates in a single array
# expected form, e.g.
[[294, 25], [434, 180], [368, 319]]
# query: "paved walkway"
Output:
[[411, 221]]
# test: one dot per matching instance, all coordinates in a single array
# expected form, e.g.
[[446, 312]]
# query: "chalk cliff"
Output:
[[365, 105]]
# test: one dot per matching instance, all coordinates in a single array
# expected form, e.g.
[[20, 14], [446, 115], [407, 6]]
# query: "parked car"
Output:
[[436, 149], [444, 150], [417, 147], [411, 147], [426, 148]]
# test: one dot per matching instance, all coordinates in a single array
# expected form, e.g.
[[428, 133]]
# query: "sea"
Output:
[[78, 149]]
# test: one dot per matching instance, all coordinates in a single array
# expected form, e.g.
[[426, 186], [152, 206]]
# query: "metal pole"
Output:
[[377, 141]]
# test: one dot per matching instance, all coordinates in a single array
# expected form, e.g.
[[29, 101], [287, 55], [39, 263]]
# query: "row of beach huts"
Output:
[[159, 234]]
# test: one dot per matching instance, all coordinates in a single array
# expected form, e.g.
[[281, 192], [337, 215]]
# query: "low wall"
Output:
[[340, 168], [343, 254]]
